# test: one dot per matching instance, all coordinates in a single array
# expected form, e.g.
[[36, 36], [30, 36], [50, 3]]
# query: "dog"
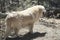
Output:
[[21, 19]]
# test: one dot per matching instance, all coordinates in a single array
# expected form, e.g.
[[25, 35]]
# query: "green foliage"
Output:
[[13, 5]]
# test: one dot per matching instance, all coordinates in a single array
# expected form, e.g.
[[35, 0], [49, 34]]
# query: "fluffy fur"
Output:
[[21, 19]]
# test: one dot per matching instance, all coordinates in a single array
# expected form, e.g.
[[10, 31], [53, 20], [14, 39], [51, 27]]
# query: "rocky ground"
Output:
[[44, 29]]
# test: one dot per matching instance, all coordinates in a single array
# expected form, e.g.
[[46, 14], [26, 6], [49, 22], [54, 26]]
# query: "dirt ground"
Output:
[[45, 29]]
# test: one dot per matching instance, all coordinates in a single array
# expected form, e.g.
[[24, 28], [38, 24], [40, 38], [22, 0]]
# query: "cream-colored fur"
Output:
[[20, 19]]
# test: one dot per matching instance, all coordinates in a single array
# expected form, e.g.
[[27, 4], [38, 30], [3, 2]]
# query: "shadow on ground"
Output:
[[28, 36]]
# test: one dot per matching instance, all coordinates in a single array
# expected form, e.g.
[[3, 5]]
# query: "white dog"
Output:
[[20, 19]]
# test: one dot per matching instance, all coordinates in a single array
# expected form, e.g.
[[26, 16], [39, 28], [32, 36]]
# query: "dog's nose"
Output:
[[44, 12]]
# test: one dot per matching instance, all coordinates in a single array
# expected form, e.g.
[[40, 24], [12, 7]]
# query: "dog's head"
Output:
[[42, 10]]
